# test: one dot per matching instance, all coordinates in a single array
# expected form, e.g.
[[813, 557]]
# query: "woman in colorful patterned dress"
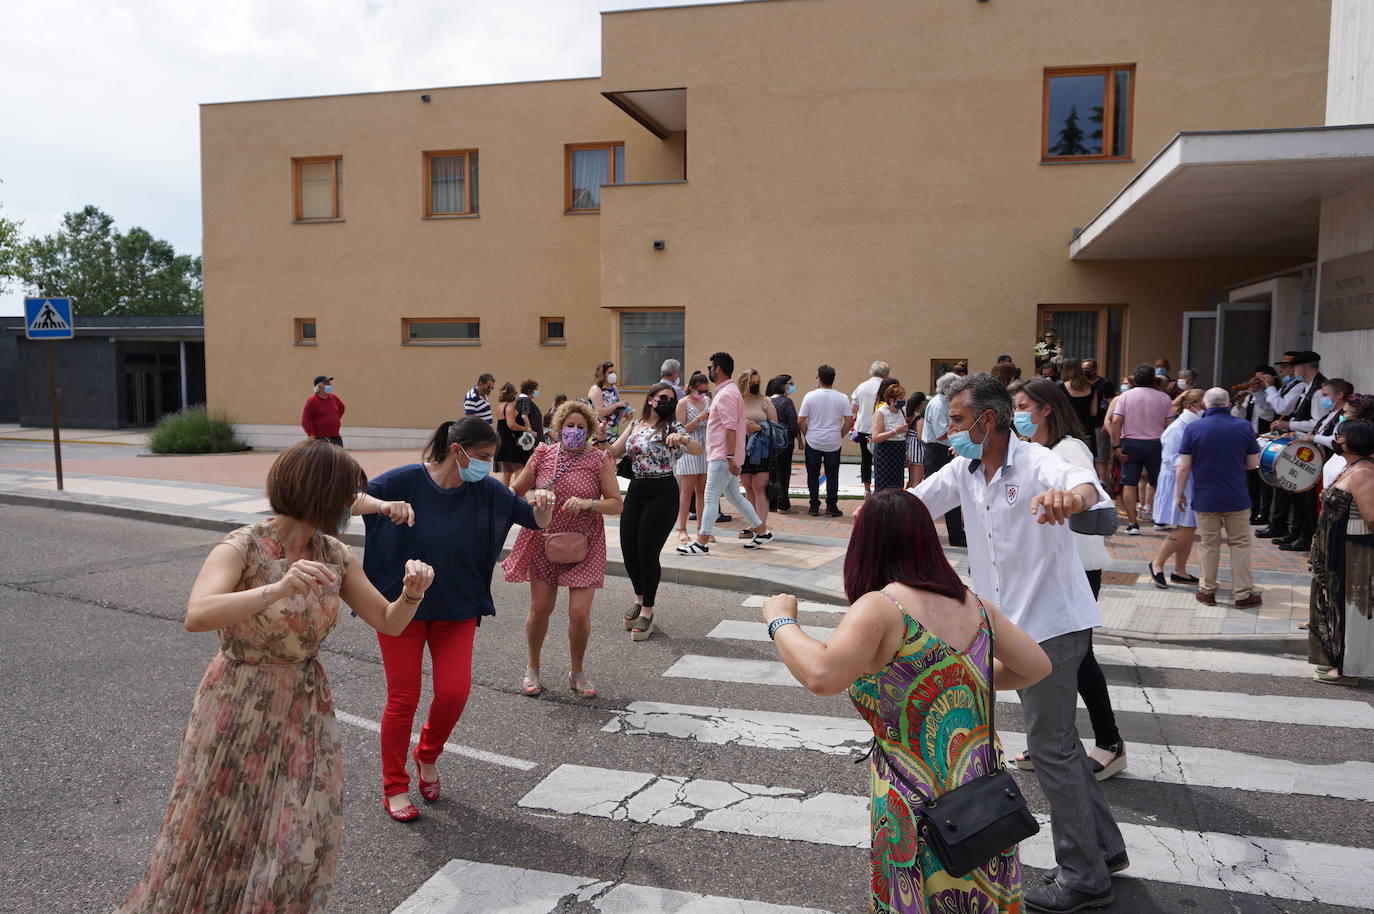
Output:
[[900, 651], [256, 810], [582, 479], [604, 397]]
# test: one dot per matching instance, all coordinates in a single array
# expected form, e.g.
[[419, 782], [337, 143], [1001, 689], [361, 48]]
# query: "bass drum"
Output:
[[1289, 463]]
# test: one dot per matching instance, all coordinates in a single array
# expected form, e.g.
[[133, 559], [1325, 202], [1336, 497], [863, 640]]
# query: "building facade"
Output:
[[795, 181]]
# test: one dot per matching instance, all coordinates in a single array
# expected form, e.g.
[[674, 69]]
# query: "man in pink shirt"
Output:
[[1139, 417], [725, 433]]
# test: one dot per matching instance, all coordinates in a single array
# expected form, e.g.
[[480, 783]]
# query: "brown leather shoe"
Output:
[[1246, 602], [1207, 599]]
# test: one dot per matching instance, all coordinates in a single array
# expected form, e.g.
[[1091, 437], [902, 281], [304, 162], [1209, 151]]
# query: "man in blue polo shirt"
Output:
[[1216, 452]]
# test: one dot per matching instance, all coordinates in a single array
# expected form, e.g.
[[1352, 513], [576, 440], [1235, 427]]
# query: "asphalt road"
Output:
[[98, 676]]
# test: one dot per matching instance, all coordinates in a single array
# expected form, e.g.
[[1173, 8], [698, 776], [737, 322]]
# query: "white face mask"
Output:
[[610, 378]]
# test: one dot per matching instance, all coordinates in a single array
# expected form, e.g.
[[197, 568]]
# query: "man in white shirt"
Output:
[[1016, 496], [937, 452], [824, 419], [863, 400], [1254, 408]]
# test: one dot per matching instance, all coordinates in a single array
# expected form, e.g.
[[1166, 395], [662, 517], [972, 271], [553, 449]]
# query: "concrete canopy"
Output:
[[1230, 194]]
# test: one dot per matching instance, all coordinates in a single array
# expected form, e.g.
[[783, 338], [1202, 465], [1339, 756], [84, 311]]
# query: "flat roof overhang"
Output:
[[1230, 194], [660, 111]]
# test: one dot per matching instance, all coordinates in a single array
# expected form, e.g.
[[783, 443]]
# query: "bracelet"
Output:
[[405, 595], [779, 623]]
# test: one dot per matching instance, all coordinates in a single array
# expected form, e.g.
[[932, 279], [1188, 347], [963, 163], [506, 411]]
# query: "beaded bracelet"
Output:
[[779, 623]]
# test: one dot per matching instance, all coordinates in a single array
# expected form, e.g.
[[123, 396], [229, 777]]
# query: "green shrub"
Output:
[[195, 431]]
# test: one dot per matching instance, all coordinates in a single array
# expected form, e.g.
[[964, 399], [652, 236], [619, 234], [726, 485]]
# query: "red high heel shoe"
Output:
[[428, 789], [404, 814]]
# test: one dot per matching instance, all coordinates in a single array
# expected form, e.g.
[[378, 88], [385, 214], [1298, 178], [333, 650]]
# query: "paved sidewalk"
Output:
[[223, 491], [9, 431]]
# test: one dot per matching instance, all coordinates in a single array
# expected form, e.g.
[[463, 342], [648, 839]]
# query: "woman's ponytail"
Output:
[[436, 451]]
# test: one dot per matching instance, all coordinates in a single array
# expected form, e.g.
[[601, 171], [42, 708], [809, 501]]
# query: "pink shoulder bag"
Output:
[[564, 548]]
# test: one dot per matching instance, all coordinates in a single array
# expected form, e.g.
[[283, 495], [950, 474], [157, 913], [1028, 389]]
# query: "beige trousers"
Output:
[[1238, 537]]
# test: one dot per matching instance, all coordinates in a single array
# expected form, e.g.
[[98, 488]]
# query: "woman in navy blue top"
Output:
[[461, 517]]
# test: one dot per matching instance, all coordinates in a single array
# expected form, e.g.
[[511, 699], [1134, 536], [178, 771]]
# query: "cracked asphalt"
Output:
[[98, 676]]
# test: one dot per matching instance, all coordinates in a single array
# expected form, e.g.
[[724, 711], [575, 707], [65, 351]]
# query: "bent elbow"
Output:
[[193, 622]]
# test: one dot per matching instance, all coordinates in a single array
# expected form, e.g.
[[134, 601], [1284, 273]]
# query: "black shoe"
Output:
[[1183, 578], [724, 519], [1285, 540], [1114, 865], [1299, 545], [833, 512], [815, 511], [1157, 576], [958, 542], [1259, 520], [1271, 532], [1056, 899], [692, 516]]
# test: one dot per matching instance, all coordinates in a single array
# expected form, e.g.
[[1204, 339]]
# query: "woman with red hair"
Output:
[[917, 652]]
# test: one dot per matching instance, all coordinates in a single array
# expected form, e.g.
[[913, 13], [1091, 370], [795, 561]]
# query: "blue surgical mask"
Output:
[[1024, 426], [1124, 387], [476, 470], [1342, 418], [329, 388], [791, 389], [962, 444], [1161, 372], [1328, 404], [534, 395]]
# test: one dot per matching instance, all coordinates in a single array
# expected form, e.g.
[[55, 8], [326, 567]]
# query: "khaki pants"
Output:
[[1237, 526]]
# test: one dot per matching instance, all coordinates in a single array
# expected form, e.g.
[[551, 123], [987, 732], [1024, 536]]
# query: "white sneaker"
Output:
[[760, 539], [1131, 530], [693, 548]]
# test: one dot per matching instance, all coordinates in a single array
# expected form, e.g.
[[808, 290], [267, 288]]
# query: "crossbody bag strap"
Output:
[[992, 688]]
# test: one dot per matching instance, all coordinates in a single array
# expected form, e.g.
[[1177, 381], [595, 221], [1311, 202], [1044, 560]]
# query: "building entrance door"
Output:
[[1225, 345], [143, 403], [1200, 344]]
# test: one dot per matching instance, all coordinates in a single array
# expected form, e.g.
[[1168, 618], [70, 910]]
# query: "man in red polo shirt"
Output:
[[323, 412]]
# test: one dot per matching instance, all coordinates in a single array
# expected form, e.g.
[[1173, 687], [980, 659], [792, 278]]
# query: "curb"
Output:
[[48, 440]]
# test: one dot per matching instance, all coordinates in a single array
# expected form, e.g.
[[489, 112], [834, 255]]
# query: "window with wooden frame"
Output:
[[1090, 332], [551, 331], [318, 184], [451, 183], [587, 166], [441, 331], [1087, 113], [305, 331], [647, 338]]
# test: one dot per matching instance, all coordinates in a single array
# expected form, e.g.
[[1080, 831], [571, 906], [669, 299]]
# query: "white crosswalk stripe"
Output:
[[1279, 709]]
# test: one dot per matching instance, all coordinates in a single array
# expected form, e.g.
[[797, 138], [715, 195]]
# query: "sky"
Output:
[[100, 104]]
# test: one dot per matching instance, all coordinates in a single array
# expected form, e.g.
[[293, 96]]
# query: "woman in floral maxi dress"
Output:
[[255, 815], [914, 650]]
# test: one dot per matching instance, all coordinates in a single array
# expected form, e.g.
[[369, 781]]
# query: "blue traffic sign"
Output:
[[48, 319]]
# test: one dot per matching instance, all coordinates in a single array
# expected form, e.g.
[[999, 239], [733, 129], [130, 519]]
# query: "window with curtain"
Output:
[[1089, 332], [319, 183], [647, 338], [451, 179], [590, 165], [1087, 113]]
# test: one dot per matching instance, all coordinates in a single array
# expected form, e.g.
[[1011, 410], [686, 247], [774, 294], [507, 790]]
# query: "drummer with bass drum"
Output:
[[1293, 516]]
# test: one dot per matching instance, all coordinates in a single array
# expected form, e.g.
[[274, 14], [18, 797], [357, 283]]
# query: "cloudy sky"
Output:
[[100, 102]]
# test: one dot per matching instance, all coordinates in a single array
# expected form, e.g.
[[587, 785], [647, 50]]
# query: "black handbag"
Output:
[[974, 822]]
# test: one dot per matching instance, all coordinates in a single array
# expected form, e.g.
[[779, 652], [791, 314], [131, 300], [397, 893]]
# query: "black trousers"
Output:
[[1302, 516], [814, 458], [780, 478], [1261, 493], [1280, 505], [937, 456], [1092, 685], [645, 522], [865, 457]]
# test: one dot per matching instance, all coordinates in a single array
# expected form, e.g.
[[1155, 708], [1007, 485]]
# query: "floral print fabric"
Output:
[[929, 712], [255, 815], [649, 456]]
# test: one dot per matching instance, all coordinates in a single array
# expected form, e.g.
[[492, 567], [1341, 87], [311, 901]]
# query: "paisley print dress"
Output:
[[929, 712], [255, 815]]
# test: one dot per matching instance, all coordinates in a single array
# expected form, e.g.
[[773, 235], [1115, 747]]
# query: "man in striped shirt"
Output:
[[475, 403]]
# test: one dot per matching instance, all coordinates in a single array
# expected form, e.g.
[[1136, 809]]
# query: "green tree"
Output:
[[105, 271], [11, 244]]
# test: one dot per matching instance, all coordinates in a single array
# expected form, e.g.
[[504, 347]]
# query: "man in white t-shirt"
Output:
[[824, 419], [863, 399]]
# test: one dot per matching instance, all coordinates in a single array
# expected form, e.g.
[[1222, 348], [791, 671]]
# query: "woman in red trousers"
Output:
[[461, 517]]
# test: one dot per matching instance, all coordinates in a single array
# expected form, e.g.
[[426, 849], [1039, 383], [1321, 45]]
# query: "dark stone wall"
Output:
[[87, 380], [9, 372]]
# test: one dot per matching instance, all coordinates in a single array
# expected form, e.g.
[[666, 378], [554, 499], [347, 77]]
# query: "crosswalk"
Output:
[[1197, 858]]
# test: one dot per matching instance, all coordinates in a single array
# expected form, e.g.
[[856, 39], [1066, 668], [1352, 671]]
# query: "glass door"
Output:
[[1242, 341], [1200, 343], [1088, 332]]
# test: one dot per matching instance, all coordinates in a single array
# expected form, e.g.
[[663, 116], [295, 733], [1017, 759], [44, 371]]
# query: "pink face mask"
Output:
[[574, 437]]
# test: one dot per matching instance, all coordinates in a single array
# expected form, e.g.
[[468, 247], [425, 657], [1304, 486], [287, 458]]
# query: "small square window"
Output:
[[940, 367], [451, 183], [451, 331], [588, 166], [305, 331], [319, 188], [1087, 116], [551, 331]]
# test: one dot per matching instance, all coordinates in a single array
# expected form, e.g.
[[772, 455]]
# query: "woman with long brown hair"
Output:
[[604, 396], [756, 471], [255, 816]]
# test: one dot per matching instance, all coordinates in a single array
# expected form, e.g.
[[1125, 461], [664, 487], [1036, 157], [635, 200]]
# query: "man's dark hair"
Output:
[[826, 374], [1266, 369], [725, 362], [486, 377], [985, 393], [1144, 376]]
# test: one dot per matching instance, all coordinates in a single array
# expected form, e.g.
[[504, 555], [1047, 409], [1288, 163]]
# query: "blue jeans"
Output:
[[720, 481]]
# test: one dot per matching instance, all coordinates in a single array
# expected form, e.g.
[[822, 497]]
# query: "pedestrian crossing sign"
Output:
[[48, 318]]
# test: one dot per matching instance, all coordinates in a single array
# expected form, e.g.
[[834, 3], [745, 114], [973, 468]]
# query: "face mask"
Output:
[[665, 408], [476, 470], [1342, 418], [899, 405], [1328, 404], [1024, 426], [962, 444], [610, 378], [534, 395], [791, 389], [1124, 387], [1161, 373], [754, 389], [329, 388], [1183, 385], [574, 437]]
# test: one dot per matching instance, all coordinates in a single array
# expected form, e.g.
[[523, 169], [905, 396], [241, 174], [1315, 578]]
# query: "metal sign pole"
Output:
[[56, 411]]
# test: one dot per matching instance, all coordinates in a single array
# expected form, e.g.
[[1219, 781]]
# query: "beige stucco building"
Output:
[[794, 181]]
